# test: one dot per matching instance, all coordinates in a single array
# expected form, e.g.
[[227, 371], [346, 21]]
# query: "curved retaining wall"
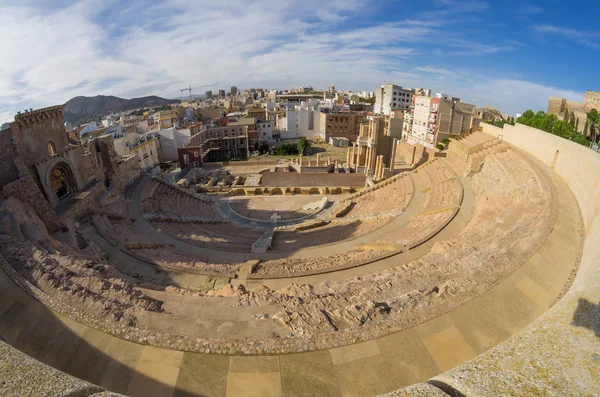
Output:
[[558, 354]]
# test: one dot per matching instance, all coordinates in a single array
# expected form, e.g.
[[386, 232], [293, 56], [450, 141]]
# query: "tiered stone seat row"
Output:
[[394, 197], [434, 172], [329, 234], [513, 215], [159, 198], [124, 234], [223, 236]]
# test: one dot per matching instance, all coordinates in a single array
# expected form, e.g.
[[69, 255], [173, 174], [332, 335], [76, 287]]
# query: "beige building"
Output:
[[168, 118], [430, 120], [346, 125], [145, 147]]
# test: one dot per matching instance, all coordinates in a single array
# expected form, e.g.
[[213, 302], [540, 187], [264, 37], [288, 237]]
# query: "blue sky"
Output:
[[507, 54]]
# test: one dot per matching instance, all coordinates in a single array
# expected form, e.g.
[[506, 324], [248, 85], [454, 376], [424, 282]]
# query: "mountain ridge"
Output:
[[82, 109]]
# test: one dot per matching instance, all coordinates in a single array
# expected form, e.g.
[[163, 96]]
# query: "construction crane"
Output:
[[190, 89]]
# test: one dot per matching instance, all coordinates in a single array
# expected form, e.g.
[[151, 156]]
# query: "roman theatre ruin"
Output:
[[473, 272]]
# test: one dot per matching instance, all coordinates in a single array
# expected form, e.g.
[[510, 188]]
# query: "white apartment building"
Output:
[[390, 97], [267, 132], [302, 121], [172, 139], [432, 119]]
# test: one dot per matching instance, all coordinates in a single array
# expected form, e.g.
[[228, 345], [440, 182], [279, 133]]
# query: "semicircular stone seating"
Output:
[[514, 211]]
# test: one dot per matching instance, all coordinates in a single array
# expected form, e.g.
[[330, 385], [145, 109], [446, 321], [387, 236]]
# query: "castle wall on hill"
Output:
[[591, 100]]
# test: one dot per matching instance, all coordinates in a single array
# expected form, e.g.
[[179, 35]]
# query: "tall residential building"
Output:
[[303, 120], [222, 94], [390, 97], [331, 88], [208, 95], [345, 125], [234, 91], [432, 119]]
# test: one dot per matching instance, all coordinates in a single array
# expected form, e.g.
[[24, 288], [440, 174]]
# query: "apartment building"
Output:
[[346, 125], [167, 118], [222, 94], [267, 132], [234, 91], [432, 119], [301, 121], [208, 95], [215, 144], [390, 97]]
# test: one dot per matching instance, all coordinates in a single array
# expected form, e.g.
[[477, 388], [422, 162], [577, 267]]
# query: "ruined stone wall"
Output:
[[406, 151], [8, 169], [32, 131], [557, 106], [591, 100], [26, 190], [127, 172], [119, 172], [87, 203]]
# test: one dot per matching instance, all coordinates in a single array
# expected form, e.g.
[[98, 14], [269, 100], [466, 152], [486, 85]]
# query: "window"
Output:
[[51, 148]]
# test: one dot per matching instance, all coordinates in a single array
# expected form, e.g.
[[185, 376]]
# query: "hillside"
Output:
[[82, 109]]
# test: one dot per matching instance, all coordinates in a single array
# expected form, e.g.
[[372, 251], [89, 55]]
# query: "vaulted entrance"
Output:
[[62, 181]]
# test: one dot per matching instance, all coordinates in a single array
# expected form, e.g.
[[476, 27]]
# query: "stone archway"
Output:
[[62, 181]]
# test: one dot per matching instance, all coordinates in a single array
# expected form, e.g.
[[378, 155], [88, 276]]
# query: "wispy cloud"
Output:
[[587, 38], [531, 10], [143, 47]]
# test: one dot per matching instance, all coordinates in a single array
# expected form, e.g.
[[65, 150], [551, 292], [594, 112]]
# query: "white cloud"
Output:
[[50, 54], [586, 38]]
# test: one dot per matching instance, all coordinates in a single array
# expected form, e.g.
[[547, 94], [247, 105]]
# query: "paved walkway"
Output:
[[364, 369]]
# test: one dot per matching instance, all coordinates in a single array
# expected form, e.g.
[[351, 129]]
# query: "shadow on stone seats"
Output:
[[587, 315], [29, 326]]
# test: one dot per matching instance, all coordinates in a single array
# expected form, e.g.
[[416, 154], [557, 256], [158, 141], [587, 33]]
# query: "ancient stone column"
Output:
[[393, 156], [318, 158], [328, 160], [348, 157], [369, 160], [352, 158], [300, 160]]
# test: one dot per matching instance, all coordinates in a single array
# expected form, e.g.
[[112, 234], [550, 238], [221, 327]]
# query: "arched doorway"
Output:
[[61, 180]]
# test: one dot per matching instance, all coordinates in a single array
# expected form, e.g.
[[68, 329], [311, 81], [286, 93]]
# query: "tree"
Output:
[[286, 149], [566, 115], [572, 120], [593, 119], [263, 147], [303, 144], [585, 128], [577, 125]]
